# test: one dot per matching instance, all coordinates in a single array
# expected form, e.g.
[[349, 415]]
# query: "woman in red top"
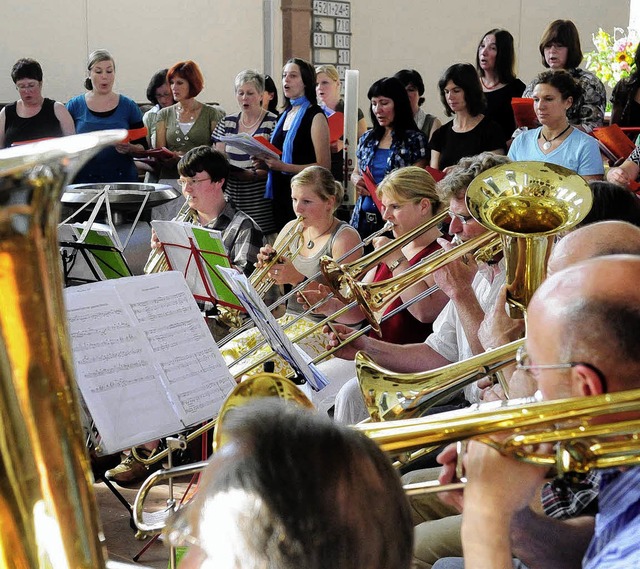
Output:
[[409, 199]]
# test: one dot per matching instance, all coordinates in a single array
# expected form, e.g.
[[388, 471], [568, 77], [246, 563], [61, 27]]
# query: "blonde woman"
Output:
[[328, 88], [409, 199], [315, 195]]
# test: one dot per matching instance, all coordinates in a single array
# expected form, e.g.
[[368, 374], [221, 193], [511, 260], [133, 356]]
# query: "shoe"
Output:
[[128, 471]]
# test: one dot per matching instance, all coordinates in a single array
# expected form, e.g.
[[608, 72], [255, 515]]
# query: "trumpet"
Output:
[[339, 277], [260, 279]]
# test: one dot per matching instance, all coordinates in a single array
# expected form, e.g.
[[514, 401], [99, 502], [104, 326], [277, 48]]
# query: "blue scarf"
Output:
[[287, 147]]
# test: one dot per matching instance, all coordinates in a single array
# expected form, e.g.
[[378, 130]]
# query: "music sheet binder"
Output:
[[197, 252], [145, 361]]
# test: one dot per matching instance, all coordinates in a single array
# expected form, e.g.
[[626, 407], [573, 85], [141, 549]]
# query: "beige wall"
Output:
[[226, 36], [430, 35]]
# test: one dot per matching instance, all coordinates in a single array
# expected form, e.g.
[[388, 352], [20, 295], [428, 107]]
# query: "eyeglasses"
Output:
[[184, 182], [523, 362], [461, 218], [27, 86]]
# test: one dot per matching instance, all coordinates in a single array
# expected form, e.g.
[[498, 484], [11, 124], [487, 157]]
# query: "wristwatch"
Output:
[[393, 266]]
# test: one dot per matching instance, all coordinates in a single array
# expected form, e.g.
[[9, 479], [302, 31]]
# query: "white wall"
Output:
[[226, 36]]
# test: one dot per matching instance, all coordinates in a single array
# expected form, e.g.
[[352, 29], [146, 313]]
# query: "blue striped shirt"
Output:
[[617, 532]]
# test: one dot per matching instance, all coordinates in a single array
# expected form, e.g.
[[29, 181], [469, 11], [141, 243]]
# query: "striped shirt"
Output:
[[247, 195], [615, 541]]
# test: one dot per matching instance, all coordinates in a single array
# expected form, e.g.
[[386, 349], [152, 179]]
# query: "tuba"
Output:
[[528, 204], [48, 513]]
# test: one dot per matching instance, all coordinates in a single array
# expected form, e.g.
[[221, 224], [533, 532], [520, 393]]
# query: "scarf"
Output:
[[287, 147]]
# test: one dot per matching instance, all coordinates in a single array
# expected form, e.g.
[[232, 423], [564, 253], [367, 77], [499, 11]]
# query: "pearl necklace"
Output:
[[311, 243], [251, 126], [548, 141]]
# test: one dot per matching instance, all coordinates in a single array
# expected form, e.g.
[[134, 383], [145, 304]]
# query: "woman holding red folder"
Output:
[[100, 109], [393, 142]]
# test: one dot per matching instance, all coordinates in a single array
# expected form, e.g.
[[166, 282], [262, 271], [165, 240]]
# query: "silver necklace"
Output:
[[250, 126], [190, 120], [311, 243], [548, 141]]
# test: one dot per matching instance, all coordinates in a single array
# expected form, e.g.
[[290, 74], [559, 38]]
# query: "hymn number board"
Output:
[[331, 34]]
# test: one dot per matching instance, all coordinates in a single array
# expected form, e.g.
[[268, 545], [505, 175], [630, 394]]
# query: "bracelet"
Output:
[[393, 266]]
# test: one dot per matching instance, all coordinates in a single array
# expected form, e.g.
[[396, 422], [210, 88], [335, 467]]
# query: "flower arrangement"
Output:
[[613, 58]]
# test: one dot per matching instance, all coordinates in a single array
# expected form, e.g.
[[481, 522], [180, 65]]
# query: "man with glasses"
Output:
[[203, 175], [583, 327], [438, 531], [471, 288]]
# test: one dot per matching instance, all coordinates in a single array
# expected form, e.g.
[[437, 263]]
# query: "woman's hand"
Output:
[[285, 273], [265, 254], [618, 176], [125, 147], [337, 333], [358, 181], [274, 163], [313, 293]]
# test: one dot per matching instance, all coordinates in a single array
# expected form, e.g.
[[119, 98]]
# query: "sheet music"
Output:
[[245, 143], [271, 330], [146, 363]]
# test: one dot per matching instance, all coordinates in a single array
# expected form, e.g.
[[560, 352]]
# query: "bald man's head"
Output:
[[590, 312], [595, 240]]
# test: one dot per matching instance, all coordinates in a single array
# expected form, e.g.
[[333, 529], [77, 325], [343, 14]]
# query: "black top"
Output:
[[303, 153], [499, 105], [485, 136], [43, 125]]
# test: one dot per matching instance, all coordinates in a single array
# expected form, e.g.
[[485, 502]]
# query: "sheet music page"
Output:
[[145, 361], [268, 325]]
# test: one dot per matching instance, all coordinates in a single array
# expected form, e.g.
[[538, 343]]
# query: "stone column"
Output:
[[296, 29]]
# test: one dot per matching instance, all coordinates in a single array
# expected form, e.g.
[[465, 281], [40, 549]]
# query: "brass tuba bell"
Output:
[[528, 204], [48, 514]]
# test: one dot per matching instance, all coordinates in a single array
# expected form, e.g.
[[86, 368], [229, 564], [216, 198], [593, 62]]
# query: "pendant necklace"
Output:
[[548, 141], [190, 121], [311, 243]]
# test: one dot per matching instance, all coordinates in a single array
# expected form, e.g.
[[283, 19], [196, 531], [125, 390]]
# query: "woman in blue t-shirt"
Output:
[[101, 109]]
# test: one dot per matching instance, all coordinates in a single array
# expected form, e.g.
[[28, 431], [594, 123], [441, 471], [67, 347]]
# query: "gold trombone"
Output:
[[585, 438], [260, 279], [336, 274], [389, 395]]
